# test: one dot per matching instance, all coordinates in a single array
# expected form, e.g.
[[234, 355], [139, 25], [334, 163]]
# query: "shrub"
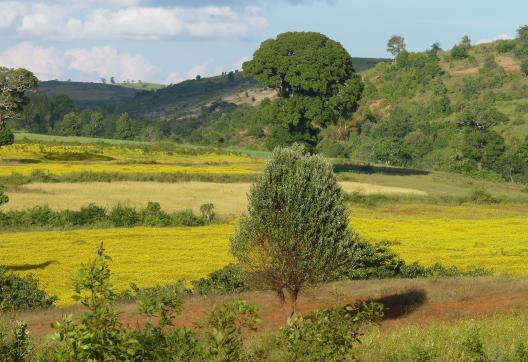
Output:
[[481, 196], [229, 279], [207, 211], [17, 346], [92, 214], [153, 216], [524, 67], [327, 335], [122, 215], [225, 326], [6, 136], [472, 347], [186, 218], [19, 293]]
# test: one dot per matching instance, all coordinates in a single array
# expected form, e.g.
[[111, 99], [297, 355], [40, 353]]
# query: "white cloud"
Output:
[[106, 61], [46, 63], [92, 63], [126, 19], [498, 37]]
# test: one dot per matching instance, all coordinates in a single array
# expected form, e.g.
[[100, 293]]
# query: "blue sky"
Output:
[[170, 40]]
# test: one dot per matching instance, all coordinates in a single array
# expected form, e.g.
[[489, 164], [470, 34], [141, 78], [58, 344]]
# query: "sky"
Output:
[[167, 41]]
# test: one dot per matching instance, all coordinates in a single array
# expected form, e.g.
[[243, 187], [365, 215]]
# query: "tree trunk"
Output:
[[480, 167], [294, 294]]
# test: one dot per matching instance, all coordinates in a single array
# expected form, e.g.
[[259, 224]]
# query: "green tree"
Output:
[[524, 67], [123, 127], [314, 78], [481, 143], [396, 45], [96, 125], [14, 83], [296, 231], [465, 42], [71, 125], [522, 35]]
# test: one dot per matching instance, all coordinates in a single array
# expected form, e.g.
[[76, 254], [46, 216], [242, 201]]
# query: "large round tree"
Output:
[[13, 86], [295, 232], [314, 78]]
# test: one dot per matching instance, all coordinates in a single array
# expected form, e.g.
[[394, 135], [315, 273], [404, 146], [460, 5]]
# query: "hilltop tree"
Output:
[[466, 42], [522, 35], [295, 233], [396, 45], [14, 83], [315, 81], [112, 80], [124, 127]]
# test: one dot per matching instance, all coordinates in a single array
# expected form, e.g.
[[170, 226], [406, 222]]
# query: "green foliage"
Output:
[[482, 196], [472, 347], [98, 336], [229, 279], [17, 347], [93, 215], [225, 327], [290, 238], [6, 136], [524, 67], [327, 335], [13, 86], [396, 45], [71, 125], [522, 35], [505, 46], [123, 127], [315, 80], [4, 199], [21, 292], [207, 211]]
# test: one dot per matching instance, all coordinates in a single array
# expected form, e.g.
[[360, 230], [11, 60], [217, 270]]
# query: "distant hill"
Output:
[[176, 100]]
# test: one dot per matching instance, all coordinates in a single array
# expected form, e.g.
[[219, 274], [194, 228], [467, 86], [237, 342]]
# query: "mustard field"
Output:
[[500, 245], [26, 159], [150, 256], [145, 256]]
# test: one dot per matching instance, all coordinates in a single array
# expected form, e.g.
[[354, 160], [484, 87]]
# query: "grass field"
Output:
[[228, 198], [145, 256]]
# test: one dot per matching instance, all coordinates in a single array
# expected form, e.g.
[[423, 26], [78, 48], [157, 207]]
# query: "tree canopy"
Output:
[[314, 78], [296, 231]]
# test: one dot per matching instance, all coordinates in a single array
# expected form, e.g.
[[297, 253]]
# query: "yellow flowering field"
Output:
[[498, 244], [69, 168], [145, 256], [22, 151]]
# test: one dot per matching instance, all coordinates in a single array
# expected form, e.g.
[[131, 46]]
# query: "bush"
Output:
[[19, 293], [327, 335], [153, 216], [229, 279], [6, 136], [207, 211], [17, 346], [186, 218], [481, 196], [4, 199], [122, 215]]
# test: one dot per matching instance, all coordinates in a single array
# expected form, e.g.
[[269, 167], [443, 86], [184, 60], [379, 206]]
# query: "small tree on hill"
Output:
[[522, 35], [295, 233], [396, 45]]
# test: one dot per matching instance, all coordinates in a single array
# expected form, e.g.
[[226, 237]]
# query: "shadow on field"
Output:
[[369, 169], [26, 267], [401, 304]]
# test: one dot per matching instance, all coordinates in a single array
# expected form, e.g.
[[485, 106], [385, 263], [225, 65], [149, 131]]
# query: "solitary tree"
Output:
[[96, 125], [295, 233], [13, 86], [466, 42], [315, 81], [396, 45], [112, 80]]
